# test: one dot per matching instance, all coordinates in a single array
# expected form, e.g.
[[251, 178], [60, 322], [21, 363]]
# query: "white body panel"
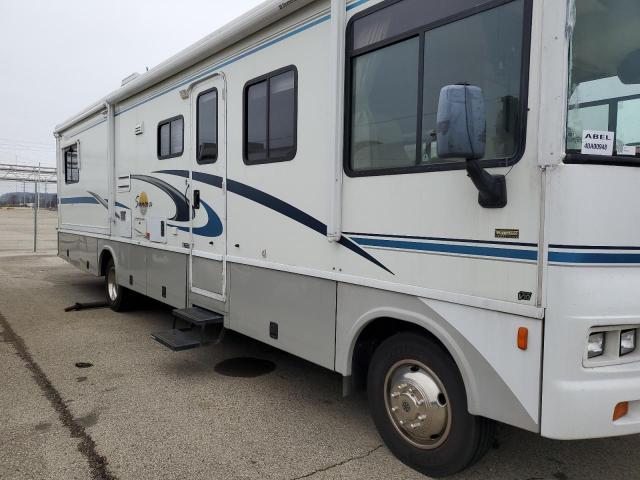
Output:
[[413, 247]]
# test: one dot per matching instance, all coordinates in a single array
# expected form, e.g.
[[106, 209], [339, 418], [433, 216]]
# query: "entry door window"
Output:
[[207, 127]]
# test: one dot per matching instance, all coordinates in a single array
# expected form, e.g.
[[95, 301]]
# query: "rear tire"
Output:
[[419, 405], [118, 297]]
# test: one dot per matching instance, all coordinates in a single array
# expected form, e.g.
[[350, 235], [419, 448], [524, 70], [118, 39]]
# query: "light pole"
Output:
[[35, 212]]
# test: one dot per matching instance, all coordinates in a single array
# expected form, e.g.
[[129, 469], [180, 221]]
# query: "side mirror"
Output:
[[462, 133], [208, 152], [629, 69]]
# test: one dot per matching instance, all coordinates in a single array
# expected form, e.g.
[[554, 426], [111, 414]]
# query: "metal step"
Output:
[[198, 316], [177, 340]]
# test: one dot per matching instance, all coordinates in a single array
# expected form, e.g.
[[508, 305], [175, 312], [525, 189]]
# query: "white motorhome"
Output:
[[432, 198]]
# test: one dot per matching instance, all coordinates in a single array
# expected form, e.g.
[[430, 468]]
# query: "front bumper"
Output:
[[583, 408]]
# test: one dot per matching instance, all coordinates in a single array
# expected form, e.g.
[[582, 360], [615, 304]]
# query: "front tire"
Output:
[[118, 297], [419, 405]]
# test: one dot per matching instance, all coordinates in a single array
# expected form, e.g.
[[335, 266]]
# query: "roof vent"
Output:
[[130, 78]]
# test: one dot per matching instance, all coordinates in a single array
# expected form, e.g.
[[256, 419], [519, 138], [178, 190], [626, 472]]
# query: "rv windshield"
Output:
[[604, 84]]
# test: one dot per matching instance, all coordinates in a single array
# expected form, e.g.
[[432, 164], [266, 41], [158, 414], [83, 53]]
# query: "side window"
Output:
[[270, 117], [391, 123], [384, 112], [207, 127], [71, 165], [171, 138]]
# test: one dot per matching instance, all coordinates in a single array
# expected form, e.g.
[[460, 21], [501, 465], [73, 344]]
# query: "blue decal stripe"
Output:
[[213, 227], [277, 205], [442, 239], [100, 200], [598, 258], [181, 202], [213, 180], [355, 248], [177, 173], [594, 247], [94, 200], [507, 253], [79, 200], [296, 214], [356, 4]]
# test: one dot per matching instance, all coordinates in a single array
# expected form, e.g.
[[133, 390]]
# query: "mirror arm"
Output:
[[492, 188]]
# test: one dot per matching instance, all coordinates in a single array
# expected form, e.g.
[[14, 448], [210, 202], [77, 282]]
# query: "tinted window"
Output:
[[405, 16], [270, 118], [385, 108], [71, 167], [497, 40], [282, 116], [207, 129], [171, 138], [395, 87], [177, 129], [256, 142], [165, 140]]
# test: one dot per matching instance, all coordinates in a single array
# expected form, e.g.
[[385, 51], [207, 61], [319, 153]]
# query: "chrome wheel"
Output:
[[417, 404], [112, 285]]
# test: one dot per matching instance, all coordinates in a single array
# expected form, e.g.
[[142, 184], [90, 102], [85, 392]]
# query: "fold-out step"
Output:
[[198, 316], [178, 340], [193, 336]]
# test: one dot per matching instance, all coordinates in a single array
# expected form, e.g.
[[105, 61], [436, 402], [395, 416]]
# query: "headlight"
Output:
[[595, 347], [627, 342]]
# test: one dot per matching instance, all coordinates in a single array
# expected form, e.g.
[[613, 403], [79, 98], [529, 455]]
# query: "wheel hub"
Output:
[[417, 404], [112, 285]]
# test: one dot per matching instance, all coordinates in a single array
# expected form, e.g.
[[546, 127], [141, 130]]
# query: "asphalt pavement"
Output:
[[239, 410]]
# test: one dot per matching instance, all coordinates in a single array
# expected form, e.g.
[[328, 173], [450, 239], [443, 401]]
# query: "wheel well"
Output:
[[371, 337], [105, 256]]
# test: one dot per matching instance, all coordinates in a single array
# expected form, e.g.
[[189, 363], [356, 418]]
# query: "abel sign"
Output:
[[595, 142]]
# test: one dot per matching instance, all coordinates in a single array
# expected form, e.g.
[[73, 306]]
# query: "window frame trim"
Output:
[[351, 54], [254, 81], [65, 149], [612, 161], [205, 92], [165, 122]]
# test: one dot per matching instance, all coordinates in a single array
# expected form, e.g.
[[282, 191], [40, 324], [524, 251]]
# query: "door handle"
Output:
[[196, 199]]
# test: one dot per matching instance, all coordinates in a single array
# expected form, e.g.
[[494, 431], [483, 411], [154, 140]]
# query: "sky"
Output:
[[58, 57]]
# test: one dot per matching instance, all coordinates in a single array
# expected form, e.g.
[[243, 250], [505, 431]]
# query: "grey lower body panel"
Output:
[[167, 276], [80, 251], [159, 274], [131, 264], [207, 274], [303, 307], [309, 312]]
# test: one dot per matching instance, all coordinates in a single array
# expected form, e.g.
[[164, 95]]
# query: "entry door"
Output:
[[207, 271]]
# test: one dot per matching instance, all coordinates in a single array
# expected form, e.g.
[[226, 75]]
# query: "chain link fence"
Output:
[[28, 209]]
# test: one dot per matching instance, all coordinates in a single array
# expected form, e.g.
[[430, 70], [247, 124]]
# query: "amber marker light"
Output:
[[620, 411], [523, 338]]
